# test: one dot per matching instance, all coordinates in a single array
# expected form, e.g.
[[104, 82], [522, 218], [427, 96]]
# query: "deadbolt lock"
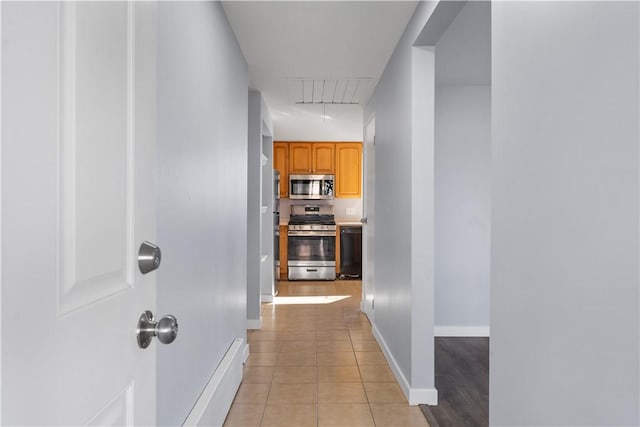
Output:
[[149, 257]]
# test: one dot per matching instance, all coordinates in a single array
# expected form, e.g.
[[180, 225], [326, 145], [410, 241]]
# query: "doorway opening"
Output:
[[461, 216]]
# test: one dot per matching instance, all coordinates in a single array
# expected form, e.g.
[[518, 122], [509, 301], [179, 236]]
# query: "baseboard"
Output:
[[254, 323], [415, 396], [212, 406], [245, 353], [461, 331], [266, 298], [363, 309]]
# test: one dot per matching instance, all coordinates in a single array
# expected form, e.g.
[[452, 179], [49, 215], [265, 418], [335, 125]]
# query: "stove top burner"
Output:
[[312, 219]]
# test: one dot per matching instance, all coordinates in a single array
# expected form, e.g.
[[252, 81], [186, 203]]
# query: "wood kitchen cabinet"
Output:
[[348, 170], [299, 158], [323, 158], [281, 162], [284, 246], [311, 158]]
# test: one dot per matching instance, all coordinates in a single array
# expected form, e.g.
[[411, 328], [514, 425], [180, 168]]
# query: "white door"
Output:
[[78, 197], [368, 227]]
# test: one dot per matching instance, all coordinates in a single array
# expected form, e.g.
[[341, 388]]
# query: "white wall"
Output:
[[259, 224], [202, 197], [462, 209], [403, 306], [565, 232], [462, 173], [340, 207], [343, 123]]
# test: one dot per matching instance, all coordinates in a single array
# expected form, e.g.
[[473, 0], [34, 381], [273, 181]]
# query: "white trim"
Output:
[[461, 331], [267, 298], [254, 323], [638, 286], [214, 403], [415, 396], [1, 283], [368, 229]]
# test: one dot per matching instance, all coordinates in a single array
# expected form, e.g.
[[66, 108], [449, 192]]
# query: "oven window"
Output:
[[312, 248]]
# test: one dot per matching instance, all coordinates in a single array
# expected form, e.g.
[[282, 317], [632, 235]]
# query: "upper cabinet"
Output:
[[323, 158], [300, 158], [348, 170], [280, 162], [311, 158], [342, 159]]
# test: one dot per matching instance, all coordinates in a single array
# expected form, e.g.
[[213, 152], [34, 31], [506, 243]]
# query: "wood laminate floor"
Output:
[[462, 381]]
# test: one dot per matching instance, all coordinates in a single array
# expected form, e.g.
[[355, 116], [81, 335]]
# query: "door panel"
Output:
[[118, 412], [95, 149], [78, 150]]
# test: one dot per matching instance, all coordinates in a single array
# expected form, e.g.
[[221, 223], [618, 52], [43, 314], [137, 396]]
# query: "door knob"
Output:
[[149, 257], [166, 329]]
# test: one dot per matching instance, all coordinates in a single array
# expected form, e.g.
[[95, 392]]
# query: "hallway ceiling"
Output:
[[317, 62]]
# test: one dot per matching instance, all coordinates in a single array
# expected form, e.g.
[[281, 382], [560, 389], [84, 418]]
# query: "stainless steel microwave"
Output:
[[311, 187]]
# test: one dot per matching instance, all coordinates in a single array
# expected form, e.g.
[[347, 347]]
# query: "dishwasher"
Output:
[[350, 252]]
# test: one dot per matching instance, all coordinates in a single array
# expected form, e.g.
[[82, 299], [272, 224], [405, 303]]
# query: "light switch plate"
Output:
[[351, 211]]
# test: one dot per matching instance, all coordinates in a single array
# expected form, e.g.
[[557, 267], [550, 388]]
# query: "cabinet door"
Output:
[[284, 244], [349, 170], [300, 158], [280, 161], [323, 158]]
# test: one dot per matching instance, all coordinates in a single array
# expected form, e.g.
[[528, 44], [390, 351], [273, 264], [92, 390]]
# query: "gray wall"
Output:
[[267, 279], [462, 205], [462, 171], [564, 289], [254, 201], [394, 292], [202, 197]]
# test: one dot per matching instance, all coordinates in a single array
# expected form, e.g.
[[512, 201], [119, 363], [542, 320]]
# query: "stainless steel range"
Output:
[[312, 243]]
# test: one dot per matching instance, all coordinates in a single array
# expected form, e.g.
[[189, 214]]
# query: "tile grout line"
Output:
[[264, 410], [362, 381], [290, 317]]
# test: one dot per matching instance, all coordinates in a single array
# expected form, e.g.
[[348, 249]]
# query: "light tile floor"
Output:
[[316, 363]]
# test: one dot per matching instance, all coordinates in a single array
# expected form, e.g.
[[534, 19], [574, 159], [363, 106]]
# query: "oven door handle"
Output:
[[312, 233]]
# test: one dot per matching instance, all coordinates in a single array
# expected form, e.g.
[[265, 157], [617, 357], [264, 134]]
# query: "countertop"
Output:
[[348, 221]]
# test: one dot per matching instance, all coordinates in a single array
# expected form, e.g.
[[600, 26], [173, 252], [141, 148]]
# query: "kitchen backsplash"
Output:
[[344, 208]]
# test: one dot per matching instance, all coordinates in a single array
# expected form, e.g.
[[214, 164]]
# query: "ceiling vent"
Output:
[[330, 91]]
